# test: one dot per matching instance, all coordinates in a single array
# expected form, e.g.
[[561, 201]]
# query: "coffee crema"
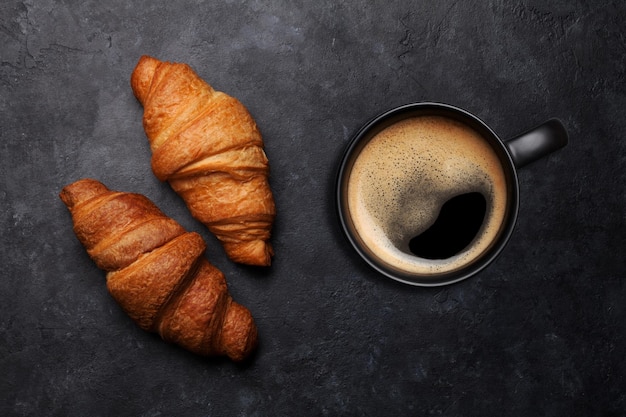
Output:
[[403, 177]]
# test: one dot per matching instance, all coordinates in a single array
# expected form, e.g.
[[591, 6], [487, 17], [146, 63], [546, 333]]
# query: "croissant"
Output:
[[157, 273], [207, 146]]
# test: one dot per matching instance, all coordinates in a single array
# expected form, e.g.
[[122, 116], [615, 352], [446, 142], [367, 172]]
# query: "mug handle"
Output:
[[537, 143]]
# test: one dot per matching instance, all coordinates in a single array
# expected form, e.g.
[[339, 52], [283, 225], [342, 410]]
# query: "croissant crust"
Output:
[[157, 273], [207, 146]]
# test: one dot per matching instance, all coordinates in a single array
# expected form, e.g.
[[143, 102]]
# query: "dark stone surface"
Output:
[[540, 332]]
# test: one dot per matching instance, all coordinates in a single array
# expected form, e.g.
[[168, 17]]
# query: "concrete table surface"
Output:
[[540, 332]]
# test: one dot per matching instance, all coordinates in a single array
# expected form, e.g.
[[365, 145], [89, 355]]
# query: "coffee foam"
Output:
[[404, 175]]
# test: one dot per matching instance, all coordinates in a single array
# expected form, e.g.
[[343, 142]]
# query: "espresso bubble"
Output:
[[405, 175]]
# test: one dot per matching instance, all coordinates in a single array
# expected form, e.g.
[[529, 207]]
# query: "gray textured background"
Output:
[[541, 332]]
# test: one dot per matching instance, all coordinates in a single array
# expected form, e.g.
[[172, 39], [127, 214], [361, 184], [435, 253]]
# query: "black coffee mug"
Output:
[[512, 155]]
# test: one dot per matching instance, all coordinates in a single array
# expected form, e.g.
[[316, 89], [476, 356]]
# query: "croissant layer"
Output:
[[157, 273], [207, 146]]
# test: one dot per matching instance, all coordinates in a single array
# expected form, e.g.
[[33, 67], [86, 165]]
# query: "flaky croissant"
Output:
[[156, 271], [207, 146]]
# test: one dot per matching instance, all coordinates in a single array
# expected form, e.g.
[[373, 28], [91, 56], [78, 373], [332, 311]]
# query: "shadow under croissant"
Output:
[[171, 349]]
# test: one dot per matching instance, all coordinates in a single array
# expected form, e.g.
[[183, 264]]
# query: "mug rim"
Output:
[[387, 118]]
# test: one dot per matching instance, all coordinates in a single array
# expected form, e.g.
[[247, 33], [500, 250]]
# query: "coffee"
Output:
[[427, 195]]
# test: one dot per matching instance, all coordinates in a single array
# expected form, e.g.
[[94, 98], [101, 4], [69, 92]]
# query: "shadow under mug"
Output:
[[513, 154]]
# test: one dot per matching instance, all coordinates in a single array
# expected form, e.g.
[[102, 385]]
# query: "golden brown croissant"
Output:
[[207, 146], [157, 273]]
